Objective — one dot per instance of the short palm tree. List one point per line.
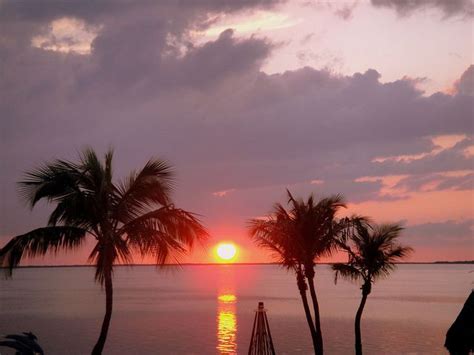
(299, 237)
(373, 252)
(135, 216)
(24, 344)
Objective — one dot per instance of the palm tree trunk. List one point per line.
(99, 346)
(358, 336)
(309, 319)
(302, 288)
(314, 298)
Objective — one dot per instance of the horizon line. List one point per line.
(239, 264)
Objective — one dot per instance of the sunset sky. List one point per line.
(369, 98)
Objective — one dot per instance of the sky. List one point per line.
(372, 99)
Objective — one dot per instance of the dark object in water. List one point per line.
(261, 342)
(23, 344)
(460, 336)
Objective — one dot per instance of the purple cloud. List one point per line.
(448, 7)
(465, 85)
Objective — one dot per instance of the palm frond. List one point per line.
(332, 203)
(159, 244)
(373, 249)
(25, 343)
(387, 233)
(399, 252)
(347, 271)
(108, 159)
(164, 232)
(275, 236)
(39, 242)
(103, 258)
(51, 181)
(78, 190)
(148, 188)
(76, 209)
(107, 253)
(301, 233)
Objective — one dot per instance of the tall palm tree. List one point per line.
(298, 237)
(372, 252)
(135, 216)
(275, 234)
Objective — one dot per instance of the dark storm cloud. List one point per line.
(448, 7)
(92, 10)
(147, 90)
(20, 19)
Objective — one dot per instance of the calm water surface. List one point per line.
(210, 309)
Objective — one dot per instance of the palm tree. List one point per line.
(272, 234)
(373, 252)
(24, 344)
(299, 237)
(135, 216)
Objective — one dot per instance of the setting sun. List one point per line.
(226, 251)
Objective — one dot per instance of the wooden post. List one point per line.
(261, 342)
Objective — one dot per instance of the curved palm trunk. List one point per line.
(302, 288)
(319, 335)
(358, 336)
(99, 346)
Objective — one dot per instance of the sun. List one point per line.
(226, 251)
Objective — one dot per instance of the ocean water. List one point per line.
(209, 309)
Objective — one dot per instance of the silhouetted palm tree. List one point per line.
(272, 234)
(299, 237)
(24, 344)
(373, 252)
(133, 216)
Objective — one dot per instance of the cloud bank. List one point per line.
(448, 7)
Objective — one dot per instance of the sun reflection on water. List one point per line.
(226, 324)
(227, 298)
